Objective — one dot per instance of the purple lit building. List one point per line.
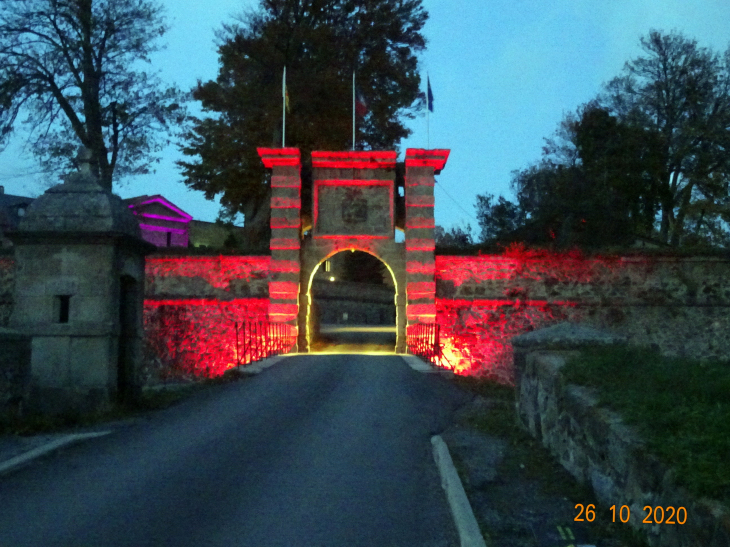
(162, 223)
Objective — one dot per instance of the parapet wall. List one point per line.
(600, 450)
(680, 305)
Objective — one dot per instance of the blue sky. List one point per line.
(503, 73)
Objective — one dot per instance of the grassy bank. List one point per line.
(680, 407)
(527, 460)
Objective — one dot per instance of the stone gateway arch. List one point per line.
(355, 203)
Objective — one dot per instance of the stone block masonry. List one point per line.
(286, 204)
(598, 449)
(679, 305)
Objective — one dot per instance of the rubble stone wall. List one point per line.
(600, 450)
(679, 305)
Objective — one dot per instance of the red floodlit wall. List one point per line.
(681, 306)
(217, 271)
(194, 307)
(197, 336)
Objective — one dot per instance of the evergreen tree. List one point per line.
(320, 42)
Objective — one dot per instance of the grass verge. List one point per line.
(680, 407)
(528, 459)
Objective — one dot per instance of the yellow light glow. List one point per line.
(308, 327)
(332, 278)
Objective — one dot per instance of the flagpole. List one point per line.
(353, 110)
(428, 109)
(283, 109)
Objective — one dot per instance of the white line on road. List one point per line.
(12, 463)
(466, 522)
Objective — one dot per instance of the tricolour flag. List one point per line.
(361, 106)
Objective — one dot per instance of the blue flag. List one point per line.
(429, 96)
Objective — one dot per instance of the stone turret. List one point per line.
(79, 292)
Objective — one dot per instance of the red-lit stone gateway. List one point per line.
(193, 304)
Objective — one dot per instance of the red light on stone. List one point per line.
(420, 222)
(280, 243)
(286, 181)
(418, 157)
(420, 244)
(276, 157)
(415, 267)
(356, 159)
(284, 290)
(289, 266)
(197, 336)
(286, 203)
(419, 201)
(354, 182)
(218, 271)
(282, 222)
(347, 237)
(425, 313)
(420, 289)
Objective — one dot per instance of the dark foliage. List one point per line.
(320, 43)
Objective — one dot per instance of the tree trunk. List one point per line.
(679, 224)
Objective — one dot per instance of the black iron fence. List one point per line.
(256, 340)
(190, 342)
(423, 341)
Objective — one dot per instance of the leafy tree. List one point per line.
(320, 42)
(455, 237)
(680, 92)
(497, 218)
(593, 187)
(656, 144)
(73, 67)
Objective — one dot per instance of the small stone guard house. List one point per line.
(79, 293)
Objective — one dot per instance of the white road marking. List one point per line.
(24, 458)
(466, 522)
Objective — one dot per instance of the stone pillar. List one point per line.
(286, 204)
(421, 166)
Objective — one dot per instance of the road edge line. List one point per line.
(25, 457)
(464, 519)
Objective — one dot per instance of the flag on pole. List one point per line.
(429, 95)
(361, 105)
(284, 108)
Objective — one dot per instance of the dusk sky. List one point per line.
(503, 73)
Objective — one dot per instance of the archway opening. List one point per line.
(352, 305)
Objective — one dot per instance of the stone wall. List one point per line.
(14, 370)
(7, 283)
(598, 449)
(680, 305)
(364, 304)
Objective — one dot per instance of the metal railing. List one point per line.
(423, 340)
(256, 340)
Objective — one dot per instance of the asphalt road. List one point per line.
(316, 451)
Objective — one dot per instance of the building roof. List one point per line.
(138, 202)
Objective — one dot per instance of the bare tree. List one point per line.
(681, 92)
(75, 68)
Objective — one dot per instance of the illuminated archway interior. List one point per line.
(352, 306)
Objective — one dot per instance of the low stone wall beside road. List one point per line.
(598, 449)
